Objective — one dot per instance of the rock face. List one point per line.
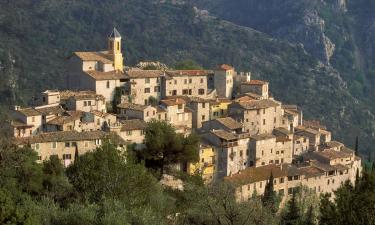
(152, 66)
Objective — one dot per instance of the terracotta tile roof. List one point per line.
(260, 137)
(258, 104)
(80, 95)
(331, 144)
(138, 73)
(76, 114)
(135, 124)
(333, 154)
(18, 123)
(257, 174)
(224, 67)
(230, 123)
(132, 106)
(315, 124)
(172, 102)
(50, 110)
(103, 56)
(61, 136)
(218, 101)
(311, 171)
(29, 112)
(60, 120)
(323, 166)
(255, 82)
(222, 134)
(101, 114)
(111, 75)
(283, 139)
(281, 131)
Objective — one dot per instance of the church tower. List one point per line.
(114, 49)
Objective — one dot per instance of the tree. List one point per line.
(187, 65)
(309, 217)
(292, 215)
(269, 197)
(163, 146)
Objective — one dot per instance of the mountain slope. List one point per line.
(36, 40)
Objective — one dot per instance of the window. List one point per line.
(146, 102)
(67, 156)
(174, 92)
(203, 117)
(175, 81)
(296, 177)
(33, 119)
(108, 84)
(277, 152)
(201, 91)
(118, 46)
(190, 92)
(185, 81)
(98, 122)
(264, 121)
(185, 91)
(258, 112)
(129, 132)
(179, 106)
(271, 162)
(277, 161)
(147, 80)
(157, 89)
(274, 120)
(203, 105)
(328, 182)
(262, 153)
(147, 113)
(67, 144)
(147, 90)
(53, 145)
(290, 178)
(202, 160)
(281, 180)
(201, 80)
(260, 184)
(264, 111)
(74, 144)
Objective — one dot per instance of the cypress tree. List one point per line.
(76, 155)
(269, 198)
(309, 218)
(292, 215)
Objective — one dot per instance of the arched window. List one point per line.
(118, 45)
(108, 85)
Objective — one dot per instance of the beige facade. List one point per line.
(177, 112)
(227, 123)
(231, 149)
(135, 111)
(200, 111)
(86, 102)
(142, 86)
(25, 122)
(255, 86)
(185, 82)
(132, 131)
(223, 80)
(258, 116)
(63, 144)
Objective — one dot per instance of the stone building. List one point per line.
(223, 81)
(258, 116)
(63, 144)
(200, 111)
(206, 164)
(101, 71)
(135, 111)
(228, 124)
(131, 131)
(85, 101)
(257, 87)
(25, 122)
(186, 83)
(177, 113)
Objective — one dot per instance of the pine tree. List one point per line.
(292, 215)
(356, 146)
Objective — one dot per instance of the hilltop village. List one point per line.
(246, 134)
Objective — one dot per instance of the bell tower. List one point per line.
(114, 49)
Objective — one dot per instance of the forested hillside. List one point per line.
(38, 35)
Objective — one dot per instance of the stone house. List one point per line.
(200, 111)
(231, 150)
(25, 122)
(258, 116)
(185, 82)
(257, 87)
(135, 111)
(177, 112)
(85, 101)
(223, 81)
(142, 86)
(101, 71)
(132, 131)
(228, 124)
(63, 144)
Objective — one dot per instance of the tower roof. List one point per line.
(115, 33)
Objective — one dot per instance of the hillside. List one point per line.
(36, 40)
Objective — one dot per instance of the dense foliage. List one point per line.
(37, 36)
(107, 186)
